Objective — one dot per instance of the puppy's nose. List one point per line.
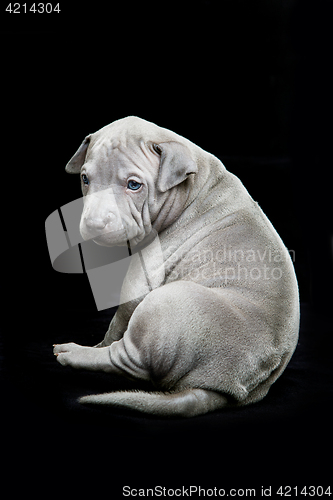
(96, 223)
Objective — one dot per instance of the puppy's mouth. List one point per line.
(113, 238)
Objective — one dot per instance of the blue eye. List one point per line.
(133, 185)
(85, 179)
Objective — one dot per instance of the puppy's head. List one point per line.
(128, 170)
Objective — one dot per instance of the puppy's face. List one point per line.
(118, 186)
(128, 170)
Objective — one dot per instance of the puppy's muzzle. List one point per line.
(101, 217)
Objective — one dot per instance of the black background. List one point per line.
(248, 81)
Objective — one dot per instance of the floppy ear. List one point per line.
(176, 164)
(75, 163)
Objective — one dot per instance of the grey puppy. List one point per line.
(209, 308)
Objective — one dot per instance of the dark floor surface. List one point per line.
(286, 439)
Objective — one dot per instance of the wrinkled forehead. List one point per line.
(110, 158)
(130, 132)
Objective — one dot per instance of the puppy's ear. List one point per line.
(176, 164)
(75, 163)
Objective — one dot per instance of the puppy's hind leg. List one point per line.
(187, 403)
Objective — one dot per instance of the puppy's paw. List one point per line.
(67, 353)
(78, 356)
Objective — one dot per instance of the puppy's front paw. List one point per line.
(78, 356)
(67, 353)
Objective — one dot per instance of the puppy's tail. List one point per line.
(188, 403)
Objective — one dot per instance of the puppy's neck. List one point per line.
(197, 189)
(173, 206)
